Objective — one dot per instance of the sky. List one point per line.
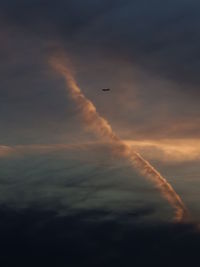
(55, 175)
(146, 51)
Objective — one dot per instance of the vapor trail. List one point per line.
(102, 128)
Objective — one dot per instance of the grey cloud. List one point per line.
(161, 37)
(65, 179)
(129, 46)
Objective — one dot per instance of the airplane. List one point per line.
(106, 89)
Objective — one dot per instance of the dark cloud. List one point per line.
(63, 177)
(91, 239)
(161, 37)
(63, 17)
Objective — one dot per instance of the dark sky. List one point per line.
(43, 239)
(146, 51)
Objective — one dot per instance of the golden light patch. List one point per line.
(168, 150)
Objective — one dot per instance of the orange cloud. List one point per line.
(102, 128)
(168, 150)
(6, 151)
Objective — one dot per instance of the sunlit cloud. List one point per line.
(103, 129)
(5, 151)
(168, 150)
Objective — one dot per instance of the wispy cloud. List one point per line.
(103, 129)
(168, 150)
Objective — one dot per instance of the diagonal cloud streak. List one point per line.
(102, 128)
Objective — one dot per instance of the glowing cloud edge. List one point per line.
(100, 126)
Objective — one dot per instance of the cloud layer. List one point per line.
(146, 51)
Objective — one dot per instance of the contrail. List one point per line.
(102, 128)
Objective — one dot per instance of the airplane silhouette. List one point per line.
(106, 89)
